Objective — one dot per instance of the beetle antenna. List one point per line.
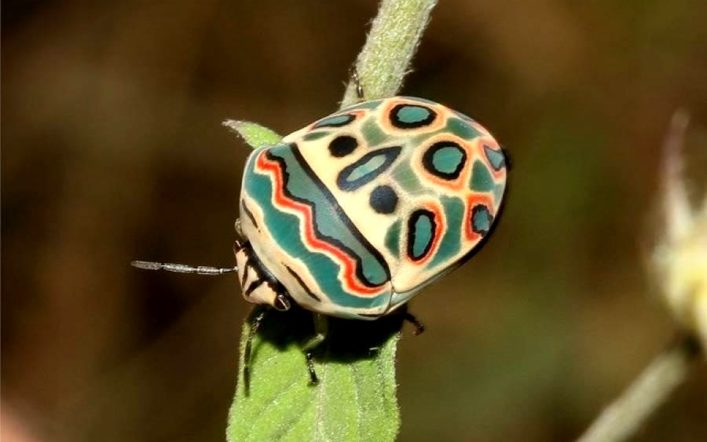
(183, 268)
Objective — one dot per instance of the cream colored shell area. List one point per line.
(407, 276)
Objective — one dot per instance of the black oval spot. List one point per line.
(421, 233)
(342, 146)
(411, 116)
(384, 199)
(445, 159)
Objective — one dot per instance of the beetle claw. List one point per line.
(419, 326)
(313, 379)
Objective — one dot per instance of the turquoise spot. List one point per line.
(423, 235)
(421, 231)
(447, 159)
(481, 179)
(335, 121)
(366, 168)
(495, 157)
(412, 114)
(481, 219)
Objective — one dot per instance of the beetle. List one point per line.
(354, 214)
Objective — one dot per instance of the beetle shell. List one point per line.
(356, 212)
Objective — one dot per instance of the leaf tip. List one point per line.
(252, 133)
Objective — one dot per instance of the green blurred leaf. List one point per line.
(254, 134)
(354, 400)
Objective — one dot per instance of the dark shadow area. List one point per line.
(347, 339)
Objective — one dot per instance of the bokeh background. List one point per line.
(112, 149)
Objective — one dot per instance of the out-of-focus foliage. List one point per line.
(113, 150)
(680, 259)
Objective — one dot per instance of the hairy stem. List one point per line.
(621, 419)
(385, 58)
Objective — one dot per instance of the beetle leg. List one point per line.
(357, 83)
(238, 229)
(419, 327)
(255, 322)
(321, 327)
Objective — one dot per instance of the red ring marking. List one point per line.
(472, 201)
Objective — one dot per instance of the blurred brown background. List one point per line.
(113, 150)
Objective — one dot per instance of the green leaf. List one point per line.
(254, 134)
(354, 400)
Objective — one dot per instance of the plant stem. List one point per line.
(385, 58)
(621, 419)
(355, 398)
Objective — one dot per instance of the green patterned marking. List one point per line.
(462, 129)
(370, 105)
(498, 192)
(408, 179)
(463, 116)
(373, 133)
(481, 179)
(315, 135)
(285, 230)
(451, 241)
(392, 239)
(301, 186)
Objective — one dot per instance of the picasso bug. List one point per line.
(354, 214)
